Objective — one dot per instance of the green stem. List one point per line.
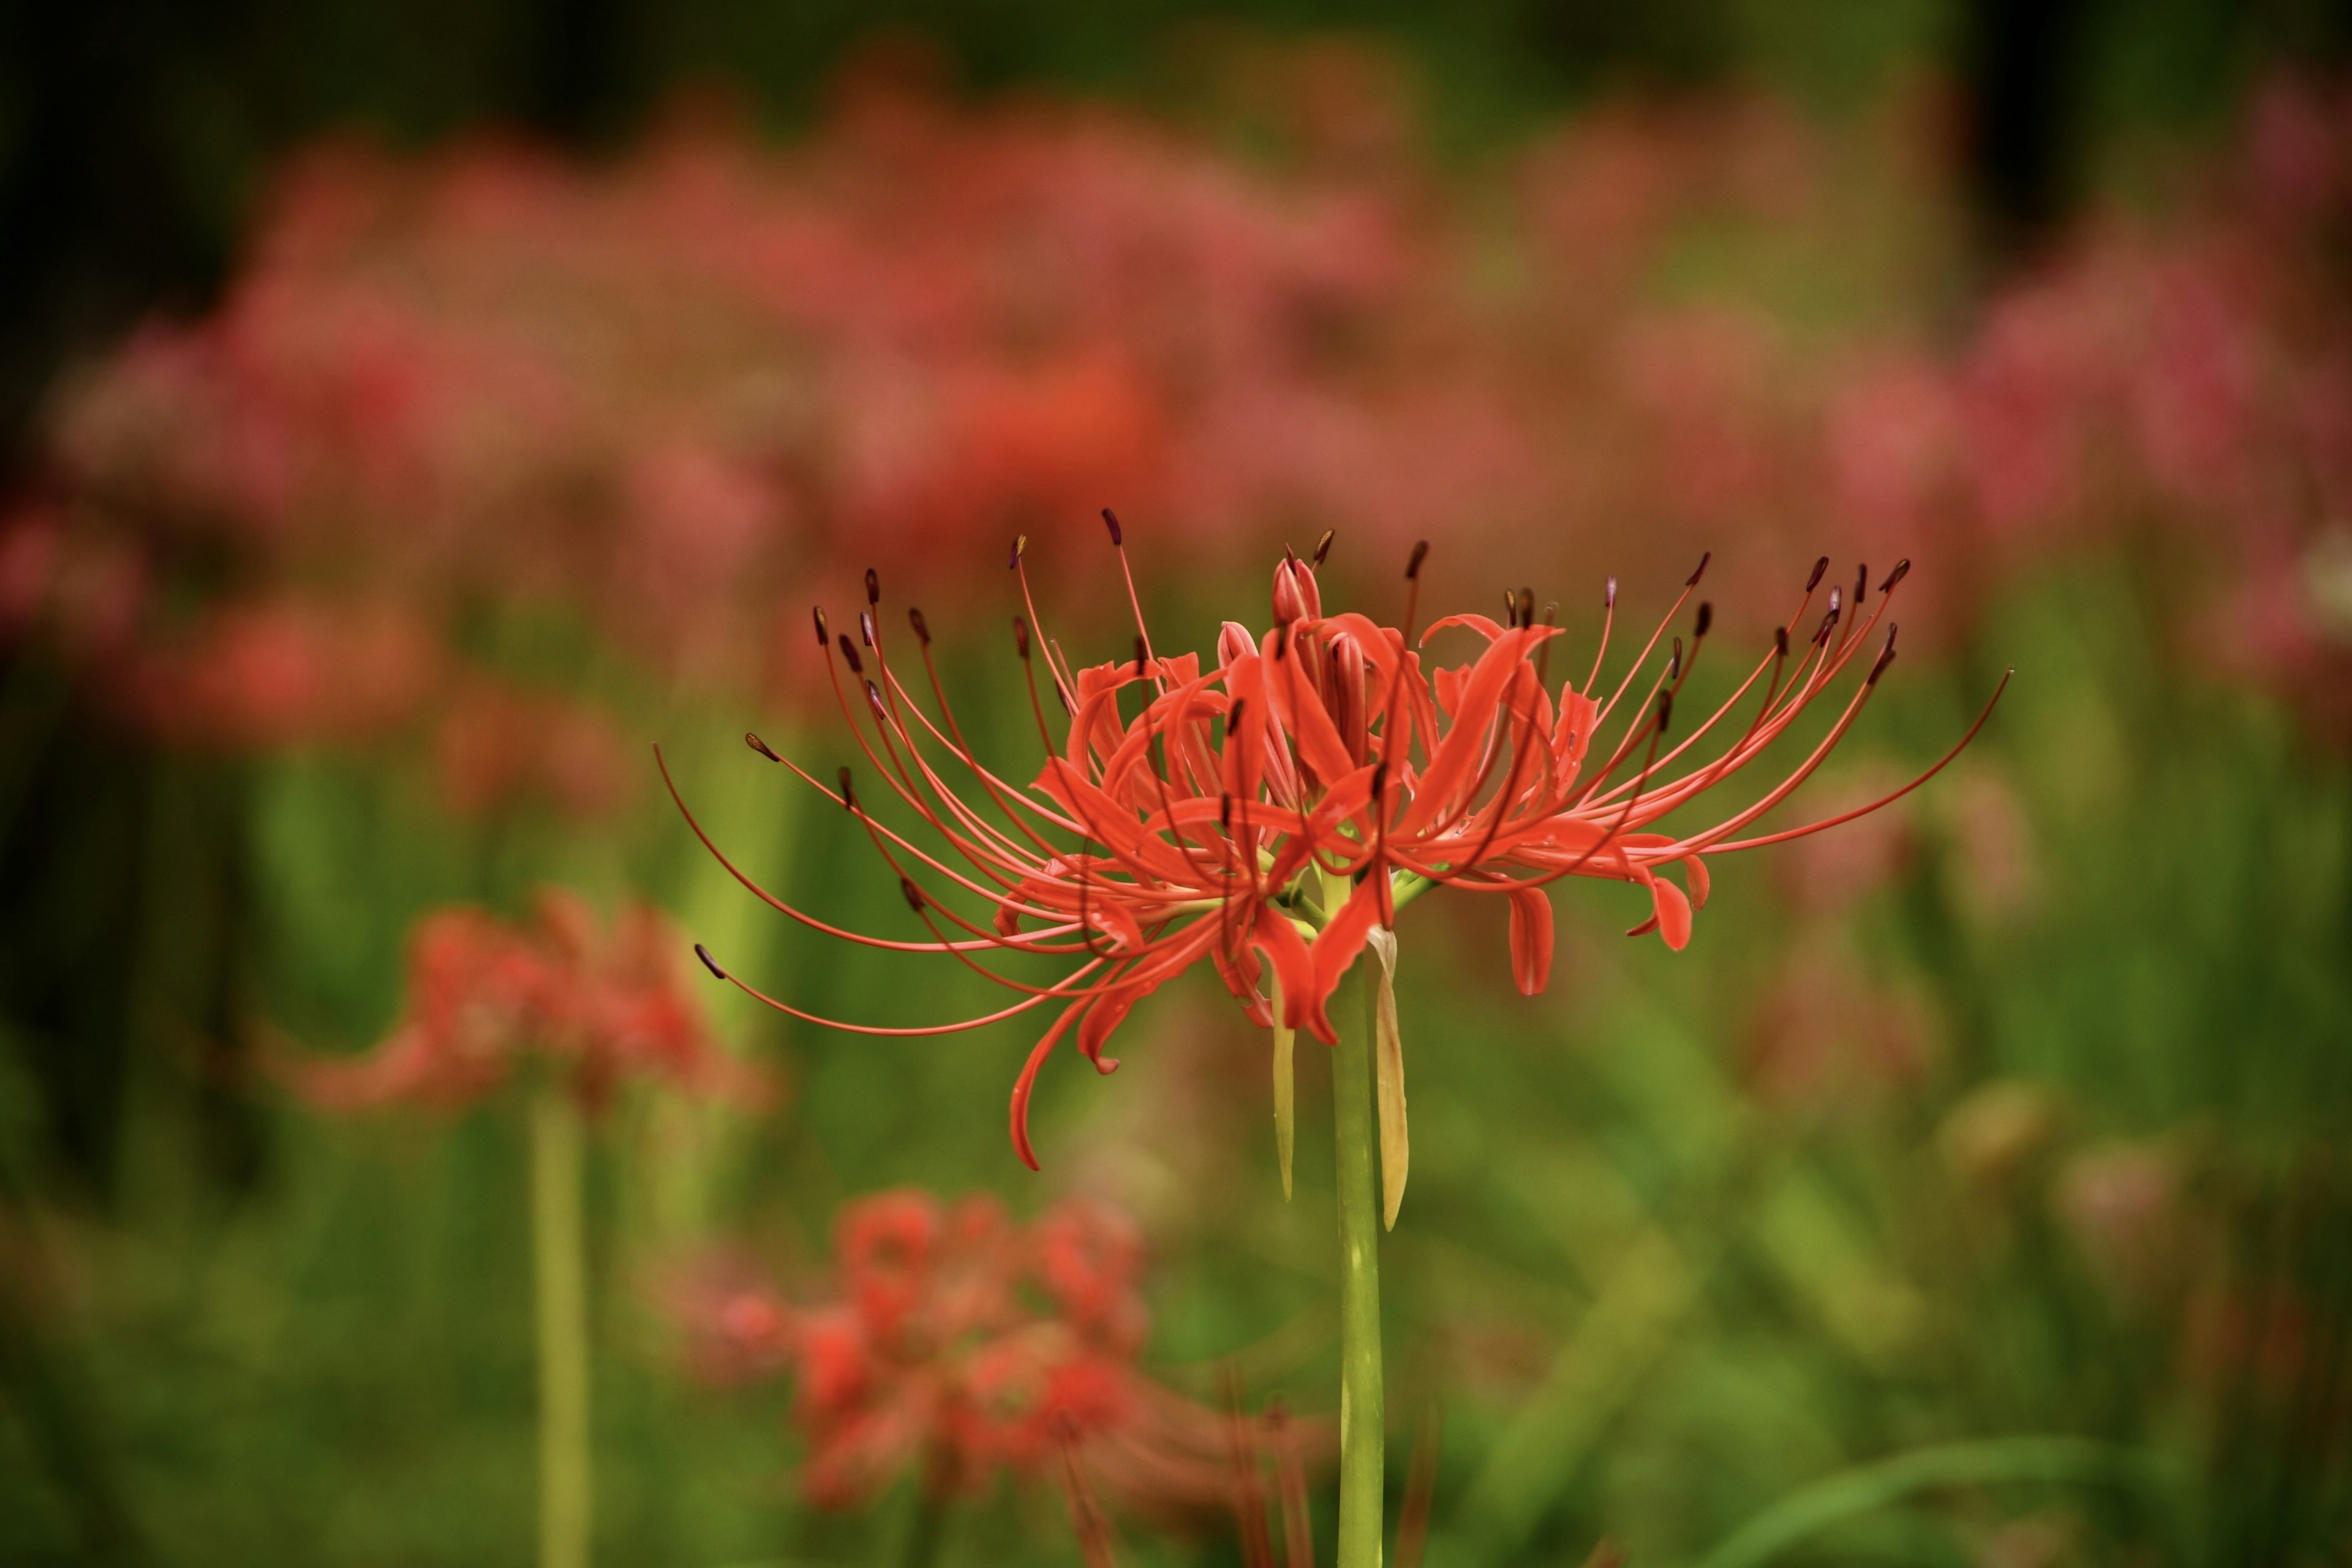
(927, 1528)
(1362, 1430)
(558, 1261)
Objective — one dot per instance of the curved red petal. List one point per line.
(1335, 948)
(1028, 1082)
(1294, 965)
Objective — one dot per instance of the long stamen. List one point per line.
(694, 826)
(1062, 681)
(1118, 543)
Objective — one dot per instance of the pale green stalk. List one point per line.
(559, 1266)
(1362, 1429)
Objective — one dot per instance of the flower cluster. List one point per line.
(1269, 816)
(484, 997)
(968, 1346)
(660, 391)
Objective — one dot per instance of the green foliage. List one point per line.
(1855, 1308)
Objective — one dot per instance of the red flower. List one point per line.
(961, 1342)
(595, 1006)
(1273, 812)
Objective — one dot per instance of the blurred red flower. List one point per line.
(486, 999)
(1273, 812)
(961, 1345)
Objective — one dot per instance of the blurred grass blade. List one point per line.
(1867, 1488)
(1628, 1331)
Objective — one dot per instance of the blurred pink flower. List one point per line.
(595, 1007)
(287, 672)
(2122, 1205)
(1826, 1037)
(495, 745)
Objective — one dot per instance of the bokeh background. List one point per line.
(409, 414)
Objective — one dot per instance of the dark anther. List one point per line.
(866, 628)
(848, 795)
(1828, 623)
(1380, 784)
(1420, 554)
(1861, 584)
(849, 653)
(1780, 641)
(1675, 661)
(873, 587)
(1139, 658)
(1666, 711)
(1836, 604)
(1814, 581)
(1527, 606)
(1902, 569)
(760, 746)
(1281, 639)
(1608, 595)
(1510, 608)
(1110, 521)
(1233, 720)
(914, 894)
(816, 612)
(873, 700)
(1323, 545)
(922, 627)
(1706, 619)
(1700, 570)
(1886, 657)
(1021, 636)
(1063, 698)
(1226, 811)
(708, 963)
(1020, 544)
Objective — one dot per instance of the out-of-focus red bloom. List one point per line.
(960, 1343)
(484, 997)
(1827, 1036)
(275, 674)
(1273, 812)
(495, 744)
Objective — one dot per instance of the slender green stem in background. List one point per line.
(560, 1265)
(1363, 1431)
(925, 1531)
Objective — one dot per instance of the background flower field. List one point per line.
(1973, 1190)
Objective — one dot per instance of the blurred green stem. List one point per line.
(1361, 1428)
(559, 1259)
(928, 1528)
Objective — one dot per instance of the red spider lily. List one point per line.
(969, 1346)
(483, 995)
(1273, 813)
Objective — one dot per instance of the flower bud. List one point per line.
(1294, 596)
